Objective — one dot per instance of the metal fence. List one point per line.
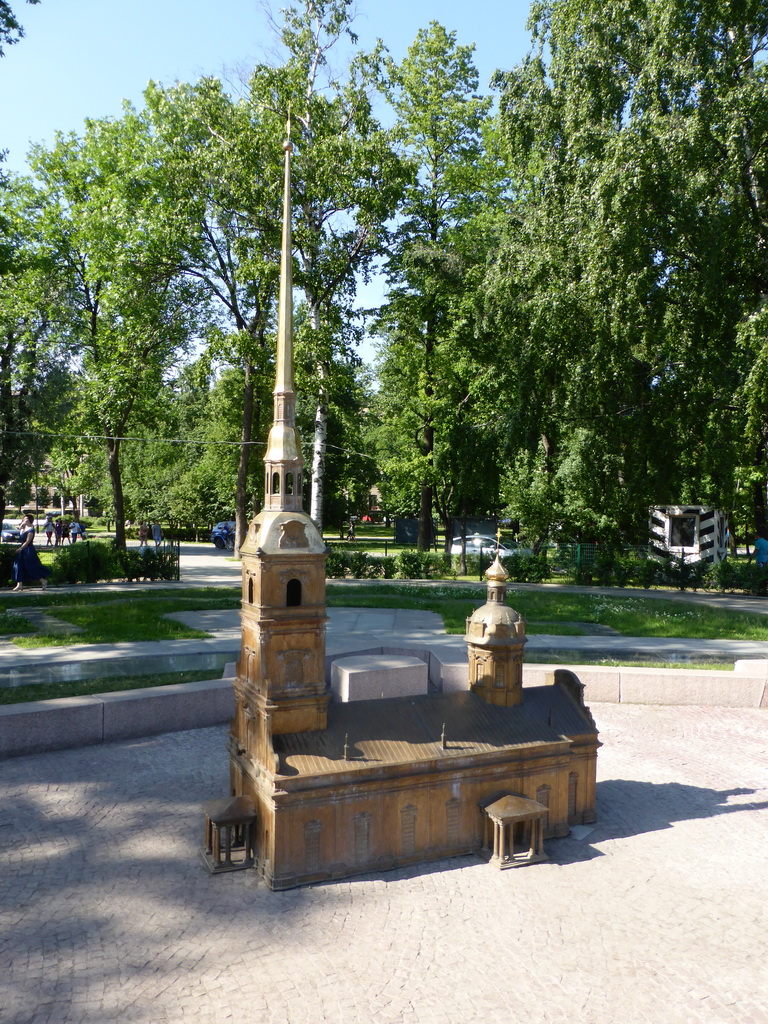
(169, 553)
(580, 557)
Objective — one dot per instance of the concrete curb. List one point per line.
(637, 685)
(79, 721)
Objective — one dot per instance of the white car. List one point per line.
(10, 532)
(477, 544)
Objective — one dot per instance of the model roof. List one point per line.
(403, 730)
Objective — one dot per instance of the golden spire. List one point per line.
(283, 461)
(284, 381)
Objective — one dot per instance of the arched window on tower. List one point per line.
(289, 483)
(293, 594)
(250, 590)
(275, 483)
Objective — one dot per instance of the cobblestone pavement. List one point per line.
(657, 916)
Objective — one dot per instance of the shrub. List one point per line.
(746, 576)
(646, 572)
(423, 565)
(336, 564)
(91, 561)
(526, 568)
(346, 561)
(84, 562)
(7, 555)
(363, 566)
(388, 567)
(677, 572)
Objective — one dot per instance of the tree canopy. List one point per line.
(574, 327)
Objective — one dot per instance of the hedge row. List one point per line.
(93, 561)
(346, 563)
(613, 569)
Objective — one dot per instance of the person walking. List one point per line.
(48, 530)
(57, 531)
(143, 534)
(27, 567)
(157, 533)
(761, 550)
(74, 530)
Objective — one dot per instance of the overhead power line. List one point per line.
(163, 440)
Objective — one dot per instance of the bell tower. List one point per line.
(280, 680)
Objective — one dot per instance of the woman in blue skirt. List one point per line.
(27, 567)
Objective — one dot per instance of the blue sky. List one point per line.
(81, 58)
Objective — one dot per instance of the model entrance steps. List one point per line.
(372, 676)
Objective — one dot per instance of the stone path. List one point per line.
(44, 622)
(655, 916)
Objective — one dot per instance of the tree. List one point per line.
(346, 184)
(632, 282)
(113, 220)
(430, 319)
(223, 164)
(10, 29)
(31, 372)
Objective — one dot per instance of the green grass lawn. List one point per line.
(108, 617)
(630, 616)
(114, 617)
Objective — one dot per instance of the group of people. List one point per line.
(144, 531)
(27, 567)
(58, 531)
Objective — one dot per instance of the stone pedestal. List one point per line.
(369, 677)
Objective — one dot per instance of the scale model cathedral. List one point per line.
(341, 788)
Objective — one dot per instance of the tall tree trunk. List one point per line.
(759, 487)
(241, 518)
(427, 446)
(320, 439)
(318, 459)
(424, 542)
(116, 479)
(463, 555)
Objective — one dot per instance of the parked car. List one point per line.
(223, 534)
(477, 544)
(10, 533)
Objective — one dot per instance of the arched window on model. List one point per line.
(289, 483)
(275, 483)
(250, 590)
(293, 594)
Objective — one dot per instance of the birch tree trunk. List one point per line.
(320, 437)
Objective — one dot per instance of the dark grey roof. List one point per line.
(405, 730)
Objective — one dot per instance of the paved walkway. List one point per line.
(349, 630)
(657, 915)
